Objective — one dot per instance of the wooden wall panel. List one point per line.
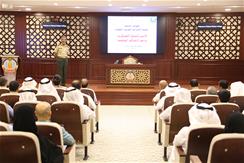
(209, 70)
(94, 68)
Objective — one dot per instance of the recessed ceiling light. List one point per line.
(145, 0)
(198, 4)
(227, 9)
(205, 0)
(23, 6)
(55, 4)
(110, 4)
(27, 9)
(144, 4)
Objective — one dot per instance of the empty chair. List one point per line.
(4, 126)
(198, 142)
(19, 147)
(53, 132)
(10, 99)
(224, 148)
(4, 114)
(196, 92)
(47, 98)
(69, 115)
(179, 119)
(206, 99)
(239, 100)
(169, 100)
(224, 110)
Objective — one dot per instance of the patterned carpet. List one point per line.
(126, 135)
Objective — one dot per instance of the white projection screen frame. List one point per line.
(132, 34)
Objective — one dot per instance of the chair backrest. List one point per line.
(4, 126)
(10, 99)
(179, 119)
(239, 100)
(68, 115)
(4, 90)
(4, 114)
(168, 101)
(206, 99)
(19, 147)
(31, 104)
(88, 92)
(33, 90)
(199, 140)
(224, 110)
(60, 92)
(226, 148)
(162, 93)
(86, 101)
(51, 131)
(196, 92)
(47, 98)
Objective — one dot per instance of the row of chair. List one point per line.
(210, 145)
(69, 115)
(179, 119)
(11, 99)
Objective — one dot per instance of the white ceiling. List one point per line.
(123, 5)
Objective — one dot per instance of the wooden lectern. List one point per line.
(10, 66)
(130, 73)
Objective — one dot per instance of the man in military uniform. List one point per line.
(61, 53)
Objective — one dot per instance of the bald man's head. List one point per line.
(76, 84)
(162, 84)
(43, 111)
(84, 82)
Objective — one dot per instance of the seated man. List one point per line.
(46, 88)
(43, 113)
(28, 83)
(169, 91)
(199, 115)
(211, 90)
(162, 85)
(223, 84)
(74, 95)
(181, 96)
(3, 82)
(77, 84)
(13, 88)
(224, 95)
(235, 123)
(237, 89)
(84, 85)
(27, 96)
(194, 84)
(57, 82)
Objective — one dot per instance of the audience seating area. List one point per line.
(204, 143)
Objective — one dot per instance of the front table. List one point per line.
(130, 74)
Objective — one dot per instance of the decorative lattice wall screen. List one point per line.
(7, 34)
(41, 42)
(191, 43)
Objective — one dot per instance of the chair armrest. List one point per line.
(181, 151)
(86, 132)
(85, 122)
(195, 159)
(181, 154)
